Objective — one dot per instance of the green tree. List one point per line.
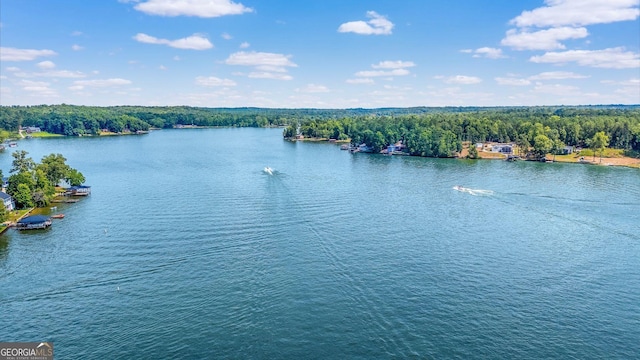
(54, 167)
(541, 146)
(4, 214)
(4, 135)
(558, 145)
(43, 191)
(22, 163)
(75, 177)
(598, 142)
(23, 197)
(473, 151)
(289, 132)
(16, 180)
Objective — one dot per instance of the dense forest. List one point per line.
(540, 130)
(74, 120)
(425, 131)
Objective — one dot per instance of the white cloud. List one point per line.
(193, 42)
(578, 13)
(377, 73)
(462, 79)
(393, 64)
(76, 47)
(366, 81)
(46, 64)
(271, 68)
(387, 68)
(39, 88)
(81, 84)
(511, 81)
(313, 88)
(631, 82)
(269, 75)
(556, 89)
(199, 8)
(214, 81)
(33, 84)
(557, 75)
(267, 65)
(377, 25)
(244, 45)
(549, 75)
(13, 54)
(544, 39)
(491, 53)
(62, 74)
(612, 58)
(226, 36)
(254, 58)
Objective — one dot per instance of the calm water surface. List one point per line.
(335, 255)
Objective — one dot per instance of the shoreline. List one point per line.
(11, 223)
(623, 161)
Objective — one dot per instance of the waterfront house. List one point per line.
(389, 150)
(81, 190)
(567, 150)
(34, 222)
(364, 148)
(502, 148)
(9, 204)
(32, 129)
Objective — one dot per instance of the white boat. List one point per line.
(268, 170)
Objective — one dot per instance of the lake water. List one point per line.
(334, 256)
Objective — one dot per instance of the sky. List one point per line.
(319, 53)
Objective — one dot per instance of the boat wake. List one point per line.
(474, 192)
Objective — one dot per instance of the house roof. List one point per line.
(4, 195)
(35, 219)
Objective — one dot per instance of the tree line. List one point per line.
(540, 130)
(426, 131)
(74, 120)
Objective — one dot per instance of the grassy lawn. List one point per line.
(14, 216)
(43, 134)
(608, 153)
(17, 214)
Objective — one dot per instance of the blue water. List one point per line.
(334, 256)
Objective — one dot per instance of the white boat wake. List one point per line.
(474, 192)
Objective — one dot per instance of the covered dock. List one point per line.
(34, 222)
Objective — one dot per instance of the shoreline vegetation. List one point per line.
(32, 185)
(590, 134)
(611, 157)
